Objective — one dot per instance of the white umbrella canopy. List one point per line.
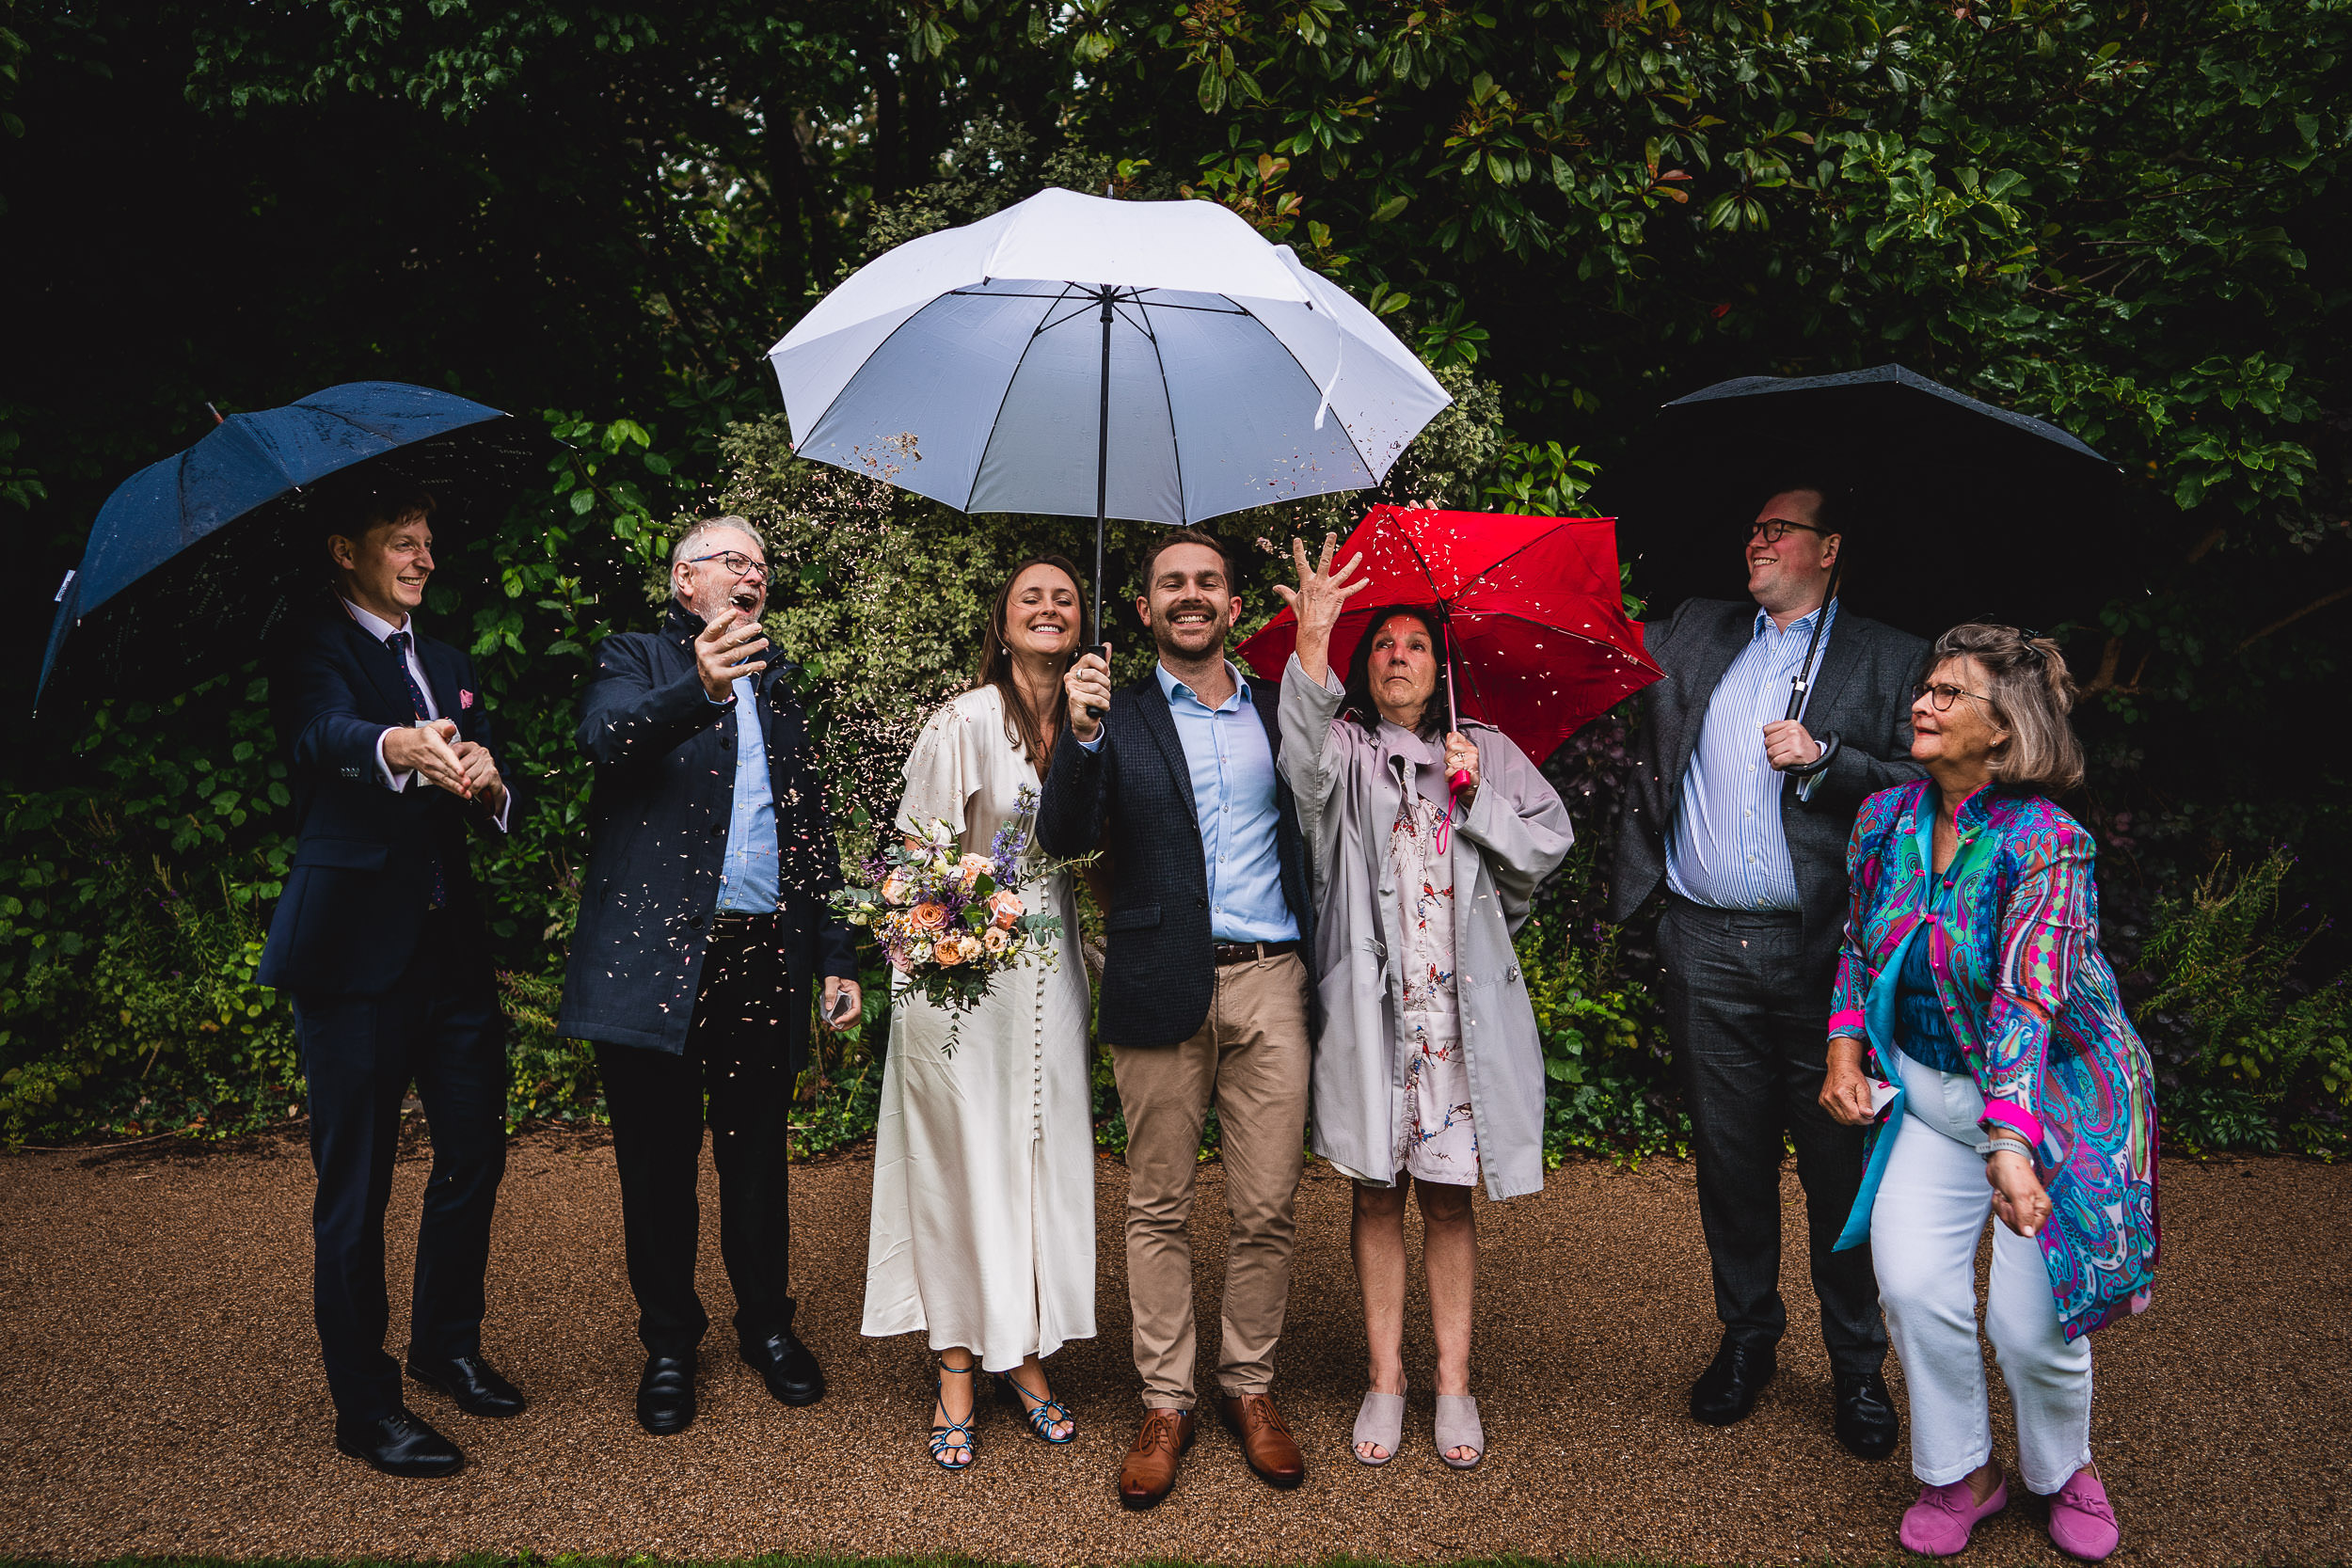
(1072, 355)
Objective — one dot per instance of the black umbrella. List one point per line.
(1951, 509)
(196, 561)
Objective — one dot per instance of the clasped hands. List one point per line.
(2019, 1198)
(434, 752)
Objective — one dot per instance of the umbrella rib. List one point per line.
(1175, 442)
(1503, 560)
(1353, 450)
(1002, 398)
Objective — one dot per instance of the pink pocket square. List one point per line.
(464, 698)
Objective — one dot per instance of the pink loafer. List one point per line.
(2082, 1522)
(1938, 1524)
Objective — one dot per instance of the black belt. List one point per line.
(1251, 952)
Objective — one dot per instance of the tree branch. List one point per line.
(2285, 621)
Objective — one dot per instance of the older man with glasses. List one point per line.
(1741, 813)
(701, 925)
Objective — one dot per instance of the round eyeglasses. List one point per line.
(1941, 695)
(736, 564)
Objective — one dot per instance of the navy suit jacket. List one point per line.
(1135, 793)
(356, 897)
(664, 759)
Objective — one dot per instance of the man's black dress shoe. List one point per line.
(399, 1444)
(1728, 1390)
(1866, 1415)
(665, 1394)
(786, 1365)
(473, 1383)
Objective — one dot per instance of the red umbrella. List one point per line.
(1536, 621)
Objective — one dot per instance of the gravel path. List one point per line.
(159, 1391)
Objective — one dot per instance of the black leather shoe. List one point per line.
(473, 1383)
(786, 1365)
(1728, 1390)
(399, 1444)
(665, 1394)
(1866, 1414)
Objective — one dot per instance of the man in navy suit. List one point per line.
(379, 939)
(1206, 996)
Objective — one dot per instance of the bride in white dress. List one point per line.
(983, 1218)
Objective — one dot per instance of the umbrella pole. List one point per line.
(1801, 687)
(1101, 472)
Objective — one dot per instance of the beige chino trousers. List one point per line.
(1251, 1059)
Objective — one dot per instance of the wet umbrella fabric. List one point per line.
(1531, 607)
(1075, 355)
(193, 562)
(1956, 509)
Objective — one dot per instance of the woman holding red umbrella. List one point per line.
(1426, 845)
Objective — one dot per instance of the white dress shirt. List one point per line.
(382, 630)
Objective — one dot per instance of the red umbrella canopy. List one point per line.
(1537, 625)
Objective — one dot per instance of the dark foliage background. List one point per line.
(2129, 218)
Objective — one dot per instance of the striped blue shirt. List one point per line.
(1727, 849)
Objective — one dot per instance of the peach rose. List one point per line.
(971, 869)
(927, 916)
(948, 951)
(994, 940)
(894, 888)
(1007, 906)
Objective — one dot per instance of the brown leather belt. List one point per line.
(1251, 952)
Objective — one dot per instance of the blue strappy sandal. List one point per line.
(1043, 1415)
(954, 1434)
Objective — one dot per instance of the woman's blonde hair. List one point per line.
(2032, 695)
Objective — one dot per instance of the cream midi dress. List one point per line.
(982, 1233)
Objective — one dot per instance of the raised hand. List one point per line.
(1319, 600)
(1088, 686)
(730, 646)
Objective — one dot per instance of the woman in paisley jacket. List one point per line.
(2004, 1079)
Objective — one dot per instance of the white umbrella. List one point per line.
(997, 367)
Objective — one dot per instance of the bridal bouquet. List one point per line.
(952, 921)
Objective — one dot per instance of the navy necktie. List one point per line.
(398, 642)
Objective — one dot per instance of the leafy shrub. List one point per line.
(1609, 1090)
(2248, 1046)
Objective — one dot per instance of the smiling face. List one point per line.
(1789, 574)
(1188, 604)
(706, 587)
(1042, 614)
(385, 569)
(1403, 670)
(1957, 743)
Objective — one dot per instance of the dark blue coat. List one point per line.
(1133, 796)
(664, 758)
(354, 900)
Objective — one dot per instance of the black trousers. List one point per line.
(1749, 1020)
(360, 1054)
(738, 1058)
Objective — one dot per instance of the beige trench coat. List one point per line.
(1515, 832)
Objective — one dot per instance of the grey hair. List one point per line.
(701, 532)
(2032, 695)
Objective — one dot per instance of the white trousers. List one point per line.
(1932, 1205)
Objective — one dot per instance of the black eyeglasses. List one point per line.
(735, 562)
(1773, 529)
(1943, 692)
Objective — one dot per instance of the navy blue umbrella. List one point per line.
(168, 587)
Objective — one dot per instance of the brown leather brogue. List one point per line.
(1149, 1469)
(1266, 1439)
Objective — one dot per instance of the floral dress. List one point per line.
(1437, 1138)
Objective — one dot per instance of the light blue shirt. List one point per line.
(1727, 849)
(749, 879)
(1231, 763)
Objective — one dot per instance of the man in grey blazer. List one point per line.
(1742, 815)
